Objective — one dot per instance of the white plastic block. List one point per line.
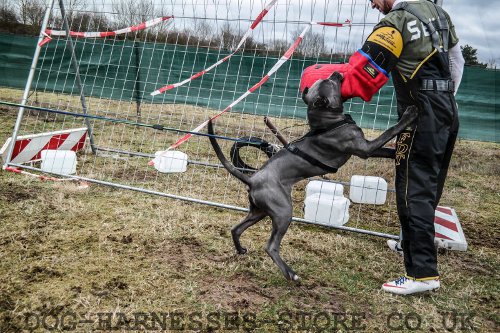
(324, 187)
(368, 190)
(59, 161)
(170, 161)
(327, 209)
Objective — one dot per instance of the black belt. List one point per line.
(437, 85)
(294, 150)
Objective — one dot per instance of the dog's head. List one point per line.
(324, 94)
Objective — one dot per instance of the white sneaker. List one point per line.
(407, 286)
(395, 246)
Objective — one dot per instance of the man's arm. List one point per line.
(367, 70)
(456, 65)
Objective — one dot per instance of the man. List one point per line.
(416, 42)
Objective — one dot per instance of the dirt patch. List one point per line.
(40, 273)
(468, 263)
(181, 252)
(482, 237)
(111, 286)
(12, 192)
(123, 239)
(238, 292)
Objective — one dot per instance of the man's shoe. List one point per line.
(406, 286)
(395, 246)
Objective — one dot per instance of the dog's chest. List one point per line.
(321, 118)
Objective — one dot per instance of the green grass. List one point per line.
(102, 250)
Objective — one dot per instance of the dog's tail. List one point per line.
(218, 151)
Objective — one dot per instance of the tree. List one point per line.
(492, 63)
(470, 56)
(132, 12)
(7, 12)
(313, 44)
(31, 12)
(229, 36)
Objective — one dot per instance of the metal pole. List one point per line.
(29, 82)
(137, 85)
(69, 42)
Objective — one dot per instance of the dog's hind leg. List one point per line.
(280, 226)
(254, 216)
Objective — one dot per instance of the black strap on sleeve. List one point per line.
(439, 27)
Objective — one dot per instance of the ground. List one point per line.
(102, 259)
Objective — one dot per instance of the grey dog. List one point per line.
(334, 137)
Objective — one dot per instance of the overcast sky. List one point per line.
(477, 23)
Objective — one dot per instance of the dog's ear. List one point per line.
(304, 96)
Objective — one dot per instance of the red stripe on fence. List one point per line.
(290, 51)
(107, 33)
(445, 223)
(138, 27)
(259, 18)
(55, 142)
(198, 75)
(19, 147)
(444, 210)
(77, 34)
(261, 82)
(438, 235)
(80, 144)
(170, 86)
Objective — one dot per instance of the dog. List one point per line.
(333, 139)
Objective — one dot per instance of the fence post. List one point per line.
(78, 80)
(29, 82)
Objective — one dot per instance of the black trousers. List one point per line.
(423, 154)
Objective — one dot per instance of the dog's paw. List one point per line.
(242, 251)
(411, 113)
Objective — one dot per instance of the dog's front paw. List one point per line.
(411, 113)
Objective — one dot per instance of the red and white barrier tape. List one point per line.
(273, 70)
(226, 58)
(83, 184)
(61, 33)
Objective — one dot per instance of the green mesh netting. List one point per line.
(125, 70)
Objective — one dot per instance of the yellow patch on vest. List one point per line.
(388, 38)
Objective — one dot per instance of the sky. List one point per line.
(477, 23)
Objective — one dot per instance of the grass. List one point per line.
(64, 250)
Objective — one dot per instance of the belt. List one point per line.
(437, 85)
